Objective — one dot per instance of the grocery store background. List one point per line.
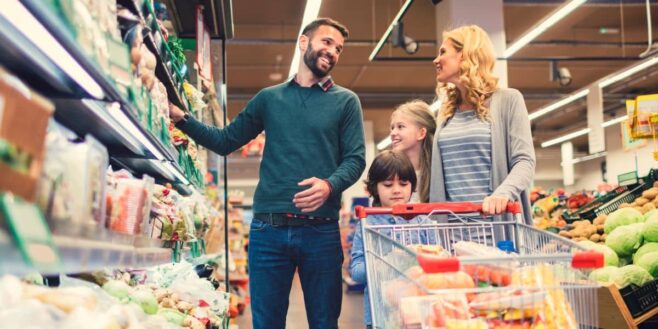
(579, 64)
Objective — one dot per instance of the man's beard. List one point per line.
(311, 58)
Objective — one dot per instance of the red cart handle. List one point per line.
(414, 209)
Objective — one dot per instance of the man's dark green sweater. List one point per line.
(310, 132)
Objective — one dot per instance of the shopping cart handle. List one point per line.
(440, 208)
(438, 264)
(587, 260)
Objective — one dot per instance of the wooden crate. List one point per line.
(613, 312)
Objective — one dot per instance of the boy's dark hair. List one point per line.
(386, 166)
(314, 25)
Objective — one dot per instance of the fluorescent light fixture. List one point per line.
(566, 137)
(104, 115)
(381, 42)
(176, 173)
(127, 124)
(538, 29)
(384, 143)
(614, 121)
(618, 76)
(164, 168)
(310, 13)
(24, 21)
(585, 158)
(581, 132)
(562, 102)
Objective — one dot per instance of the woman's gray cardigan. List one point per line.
(512, 152)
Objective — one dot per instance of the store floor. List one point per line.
(351, 315)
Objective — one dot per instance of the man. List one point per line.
(314, 150)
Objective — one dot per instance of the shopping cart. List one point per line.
(455, 275)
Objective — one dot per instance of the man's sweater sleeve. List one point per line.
(352, 147)
(246, 126)
(358, 262)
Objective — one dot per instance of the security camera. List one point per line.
(399, 39)
(561, 74)
(564, 76)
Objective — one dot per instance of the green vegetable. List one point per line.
(649, 214)
(116, 288)
(631, 274)
(604, 274)
(646, 248)
(649, 262)
(611, 258)
(625, 240)
(621, 217)
(172, 316)
(145, 300)
(623, 261)
(650, 230)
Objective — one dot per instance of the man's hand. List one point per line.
(314, 197)
(494, 205)
(175, 113)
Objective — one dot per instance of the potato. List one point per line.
(600, 228)
(650, 193)
(625, 205)
(600, 219)
(595, 238)
(648, 207)
(655, 184)
(603, 236)
(641, 201)
(655, 202)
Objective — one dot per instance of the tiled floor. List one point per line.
(351, 315)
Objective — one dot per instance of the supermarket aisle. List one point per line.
(351, 315)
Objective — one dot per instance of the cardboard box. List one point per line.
(23, 121)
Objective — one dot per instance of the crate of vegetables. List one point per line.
(587, 211)
(642, 197)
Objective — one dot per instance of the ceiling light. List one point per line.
(380, 44)
(538, 29)
(310, 13)
(618, 76)
(566, 137)
(386, 142)
(126, 123)
(24, 21)
(562, 102)
(614, 121)
(581, 132)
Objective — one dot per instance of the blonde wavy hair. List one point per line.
(419, 113)
(476, 72)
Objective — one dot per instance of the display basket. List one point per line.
(451, 275)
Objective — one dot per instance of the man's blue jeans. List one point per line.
(274, 254)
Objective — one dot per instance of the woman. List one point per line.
(483, 150)
(412, 133)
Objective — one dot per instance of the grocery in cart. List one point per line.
(475, 273)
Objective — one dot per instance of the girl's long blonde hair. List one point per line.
(420, 114)
(476, 72)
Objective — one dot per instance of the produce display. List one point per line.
(168, 296)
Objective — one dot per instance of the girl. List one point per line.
(483, 150)
(391, 179)
(412, 132)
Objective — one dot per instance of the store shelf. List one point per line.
(83, 105)
(163, 74)
(218, 17)
(85, 255)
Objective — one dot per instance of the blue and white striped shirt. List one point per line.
(465, 146)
